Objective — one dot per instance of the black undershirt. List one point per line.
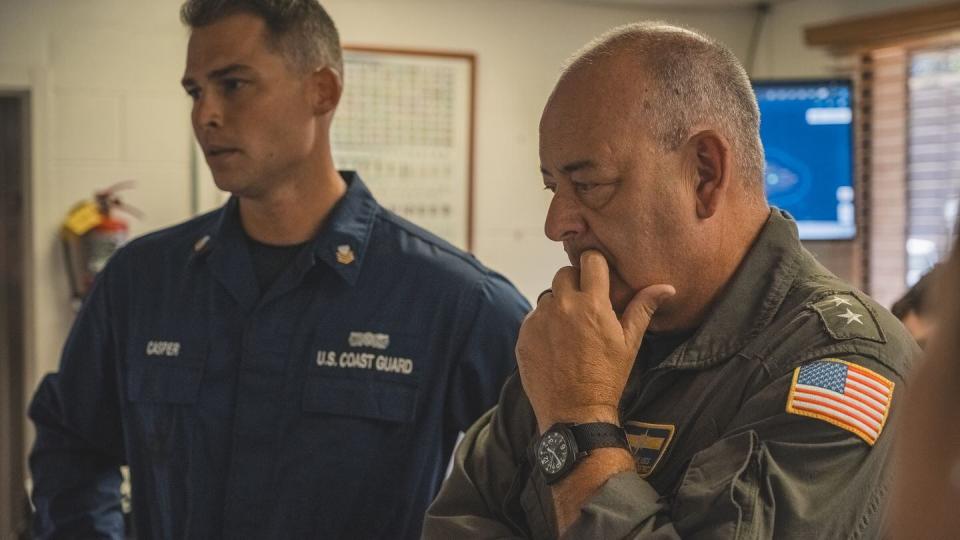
(270, 261)
(655, 348)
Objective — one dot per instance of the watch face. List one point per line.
(553, 452)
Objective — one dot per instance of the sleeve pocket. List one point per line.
(722, 494)
(164, 380)
(371, 399)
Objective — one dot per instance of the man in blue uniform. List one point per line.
(297, 364)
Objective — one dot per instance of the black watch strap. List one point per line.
(599, 435)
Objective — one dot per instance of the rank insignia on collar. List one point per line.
(846, 317)
(648, 443)
(345, 254)
(201, 244)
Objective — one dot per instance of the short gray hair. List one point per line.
(696, 79)
(300, 30)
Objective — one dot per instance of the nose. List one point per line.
(564, 221)
(207, 112)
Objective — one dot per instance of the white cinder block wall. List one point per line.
(107, 106)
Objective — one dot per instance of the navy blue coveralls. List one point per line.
(324, 407)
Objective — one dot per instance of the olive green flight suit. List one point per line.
(718, 453)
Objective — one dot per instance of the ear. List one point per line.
(710, 155)
(326, 89)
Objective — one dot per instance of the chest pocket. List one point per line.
(164, 380)
(373, 399)
(163, 391)
(372, 375)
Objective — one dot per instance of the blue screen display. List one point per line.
(807, 135)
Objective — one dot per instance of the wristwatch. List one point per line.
(563, 445)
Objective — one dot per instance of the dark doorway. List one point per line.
(14, 131)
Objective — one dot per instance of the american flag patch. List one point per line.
(846, 395)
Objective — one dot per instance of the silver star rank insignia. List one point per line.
(846, 316)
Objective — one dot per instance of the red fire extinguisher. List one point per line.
(92, 232)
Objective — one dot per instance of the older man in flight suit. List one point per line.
(695, 373)
(297, 364)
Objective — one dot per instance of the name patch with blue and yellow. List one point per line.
(649, 443)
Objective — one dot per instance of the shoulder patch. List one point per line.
(846, 395)
(846, 317)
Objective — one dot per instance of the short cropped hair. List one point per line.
(300, 30)
(918, 298)
(696, 79)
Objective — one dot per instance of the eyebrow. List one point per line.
(572, 167)
(216, 74)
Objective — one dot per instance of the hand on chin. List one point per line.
(620, 293)
(574, 354)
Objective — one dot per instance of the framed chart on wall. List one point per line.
(405, 124)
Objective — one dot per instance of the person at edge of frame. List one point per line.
(695, 372)
(915, 307)
(927, 476)
(296, 364)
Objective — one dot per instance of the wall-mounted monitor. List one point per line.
(807, 132)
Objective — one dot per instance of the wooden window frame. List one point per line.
(880, 47)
